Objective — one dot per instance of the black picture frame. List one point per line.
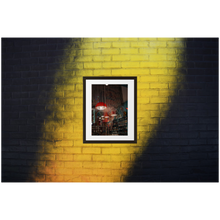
(131, 136)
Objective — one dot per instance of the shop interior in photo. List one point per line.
(109, 109)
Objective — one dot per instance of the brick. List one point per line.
(111, 65)
(158, 44)
(106, 158)
(129, 51)
(111, 151)
(120, 44)
(94, 65)
(82, 157)
(102, 45)
(63, 171)
(110, 51)
(92, 164)
(91, 150)
(73, 164)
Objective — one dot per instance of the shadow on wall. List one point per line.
(187, 138)
(28, 67)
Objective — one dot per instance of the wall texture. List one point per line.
(42, 105)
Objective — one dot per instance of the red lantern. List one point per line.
(101, 106)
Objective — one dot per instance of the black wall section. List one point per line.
(185, 148)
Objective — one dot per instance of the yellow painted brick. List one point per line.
(111, 65)
(89, 39)
(63, 114)
(79, 87)
(101, 58)
(82, 157)
(139, 57)
(72, 178)
(147, 51)
(167, 79)
(143, 114)
(110, 179)
(148, 37)
(45, 170)
(158, 71)
(55, 164)
(78, 101)
(129, 150)
(158, 100)
(102, 72)
(92, 52)
(83, 59)
(102, 158)
(72, 94)
(140, 44)
(128, 39)
(104, 172)
(54, 178)
(112, 150)
(93, 65)
(78, 114)
(149, 78)
(130, 64)
(92, 150)
(64, 128)
(157, 57)
(110, 51)
(176, 44)
(122, 172)
(129, 51)
(53, 136)
(85, 45)
(149, 93)
(149, 107)
(165, 37)
(149, 64)
(64, 157)
(73, 164)
(159, 85)
(126, 164)
(142, 85)
(63, 171)
(158, 44)
(72, 150)
(177, 57)
(64, 101)
(115, 165)
(45, 156)
(73, 108)
(72, 135)
(166, 64)
(121, 57)
(53, 149)
(150, 121)
(92, 164)
(110, 37)
(94, 178)
(120, 44)
(72, 66)
(65, 87)
(120, 157)
(82, 171)
(130, 72)
(155, 114)
(84, 73)
(144, 128)
(102, 45)
(143, 100)
(166, 51)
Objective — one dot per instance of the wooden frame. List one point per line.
(131, 114)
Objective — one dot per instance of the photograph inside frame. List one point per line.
(109, 109)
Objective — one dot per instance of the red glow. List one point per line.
(101, 106)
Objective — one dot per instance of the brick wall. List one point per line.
(42, 104)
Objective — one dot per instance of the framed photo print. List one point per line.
(110, 109)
